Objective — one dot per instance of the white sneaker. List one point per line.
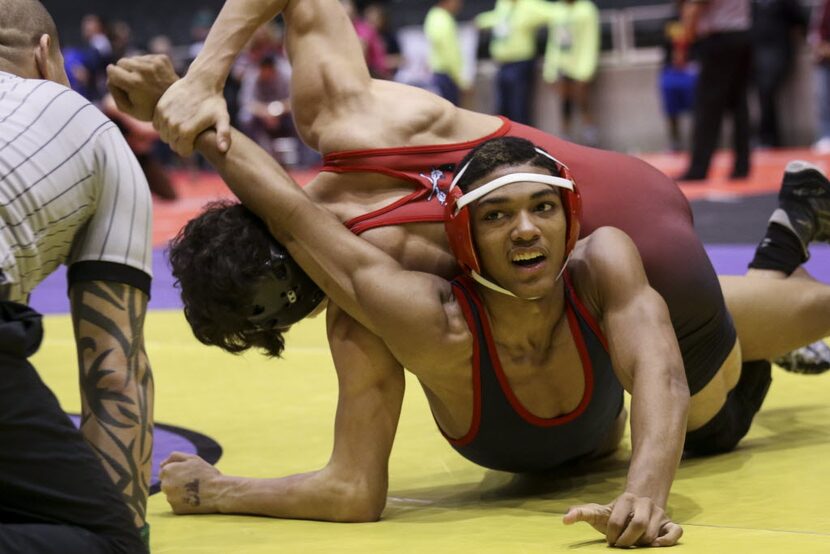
(811, 359)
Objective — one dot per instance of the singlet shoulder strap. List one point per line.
(582, 312)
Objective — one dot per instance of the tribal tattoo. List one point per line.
(116, 384)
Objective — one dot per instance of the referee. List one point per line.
(71, 192)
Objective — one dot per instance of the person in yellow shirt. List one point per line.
(514, 24)
(571, 61)
(445, 59)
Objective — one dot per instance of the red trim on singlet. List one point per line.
(344, 155)
(411, 208)
(587, 372)
(370, 169)
(365, 222)
(472, 432)
(587, 316)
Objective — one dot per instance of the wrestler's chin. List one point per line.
(534, 282)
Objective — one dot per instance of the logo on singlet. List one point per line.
(434, 178)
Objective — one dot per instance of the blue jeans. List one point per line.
(515, 82)
(446, 87)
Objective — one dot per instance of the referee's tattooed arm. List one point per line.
(116, 384)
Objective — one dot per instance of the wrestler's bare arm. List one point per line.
(353, 484)
(413, 312)
(197, 104)
(336, 105)
(647, 360)
(318, 28)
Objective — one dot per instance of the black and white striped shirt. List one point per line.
(70, 190)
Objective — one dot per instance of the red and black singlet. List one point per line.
(503, 434)
(618, 191)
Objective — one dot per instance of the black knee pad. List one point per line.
(723, 432)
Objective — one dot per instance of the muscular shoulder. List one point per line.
(603, 265)
(440, 340)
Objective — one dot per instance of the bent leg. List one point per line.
(774, 316)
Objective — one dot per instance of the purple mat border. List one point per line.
(50, 297)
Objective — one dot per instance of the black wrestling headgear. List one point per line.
(286, 295)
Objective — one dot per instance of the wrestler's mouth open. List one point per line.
(528, 259)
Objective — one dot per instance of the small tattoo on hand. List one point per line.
(192, 496)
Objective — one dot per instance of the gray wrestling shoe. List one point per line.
(804, 203)
(810, 360)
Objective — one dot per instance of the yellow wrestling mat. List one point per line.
(274, 418)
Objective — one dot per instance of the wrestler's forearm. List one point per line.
(315, 496)
(255, 178)
(116, 384)
(659, 407)
(364, 280)
(325, 249)
(233, 28)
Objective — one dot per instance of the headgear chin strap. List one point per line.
(285, 295)
(457, 221)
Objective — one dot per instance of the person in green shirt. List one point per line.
(445, 59)
(514, 24)
(571, 61)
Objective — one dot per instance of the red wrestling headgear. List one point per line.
(457, 214)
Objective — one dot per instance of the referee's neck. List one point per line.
(15, 67)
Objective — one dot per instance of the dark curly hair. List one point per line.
(501, 152)
(216, 258)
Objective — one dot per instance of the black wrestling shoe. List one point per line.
(804, 203)
(809, 360)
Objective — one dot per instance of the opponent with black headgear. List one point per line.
(285, 295)
(240, 287)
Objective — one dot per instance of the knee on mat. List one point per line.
(723, 432)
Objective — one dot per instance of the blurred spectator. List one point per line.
(377, 17)
(445, 59)
(95, 55)
(143, 140)
(514, 25)
(820, 40)
(374, 49)
(571, 62)
(163, 46)
(677, 82)
(721, 28)
(80, 77)
(267, 41)
(92, 31)
(265, 108)
(775, 26)
(199, 29)
(121, 40)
